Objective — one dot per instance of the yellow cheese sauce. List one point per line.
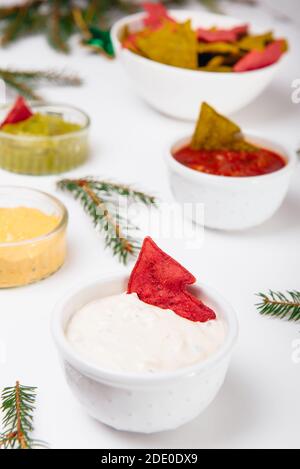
(36, 255)
(24, 223)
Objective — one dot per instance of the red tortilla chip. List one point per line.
(256, 59)
(221, 35)
(161, 281)
(241, 30)
(156, 14)
(19, 112)
(130, 42)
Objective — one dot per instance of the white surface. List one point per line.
(259, 404)
(142, 402)
(179, 92)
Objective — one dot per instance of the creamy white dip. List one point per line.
(122, 333)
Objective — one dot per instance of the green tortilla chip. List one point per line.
(249, 43)
(215, 132)
(172, 44)
(285, 45)
(218, 69)
(231, 60)
(216, 61)
(218, 48)
(240, 144)
(216, 64)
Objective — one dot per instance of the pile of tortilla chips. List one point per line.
(162, 39)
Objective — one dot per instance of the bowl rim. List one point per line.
(287, 152)
(54, 201)
(136, 16)
(38, 138)
(126, 378)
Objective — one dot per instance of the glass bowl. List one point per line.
(28, 261)
(39, 154)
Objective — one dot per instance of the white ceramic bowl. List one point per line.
(142, 402)
(232, 203)
(178, 92)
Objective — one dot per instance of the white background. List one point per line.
(259, 403)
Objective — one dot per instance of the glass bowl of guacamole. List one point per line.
(53, 140)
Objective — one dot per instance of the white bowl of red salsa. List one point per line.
(239, 189)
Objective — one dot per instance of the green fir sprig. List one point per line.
(25, 82)
(104, 201)
(280, 305)
(18, 405)
(56, 18)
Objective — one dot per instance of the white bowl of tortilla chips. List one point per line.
(177, 92)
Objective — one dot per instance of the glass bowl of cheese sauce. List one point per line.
(137, 367)
(32, 235)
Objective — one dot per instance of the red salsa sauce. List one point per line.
(231, 163)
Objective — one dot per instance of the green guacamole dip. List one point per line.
(43, 144)
(41, 124)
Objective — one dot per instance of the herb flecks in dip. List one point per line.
(122, 333)
(230, 162)
(41, 124)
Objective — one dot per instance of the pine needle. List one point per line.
(280, 305)
(55, 77)
(18, 405)
(25, 82)
(55, 30)
(56, 19)
(101, 201)
(20, 87)
(15, 25)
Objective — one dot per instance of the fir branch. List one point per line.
(21, 20)
(92, 11)
(25, 81)
(100, 200)
(20, 87)
(56, 17)
(55, 77)
(8, 12)
(280, 305)
(212, 5)
(120, 189)
(55, 30)
(14, 27)
(18, 407)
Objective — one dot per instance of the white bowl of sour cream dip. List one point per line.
(137, 367)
